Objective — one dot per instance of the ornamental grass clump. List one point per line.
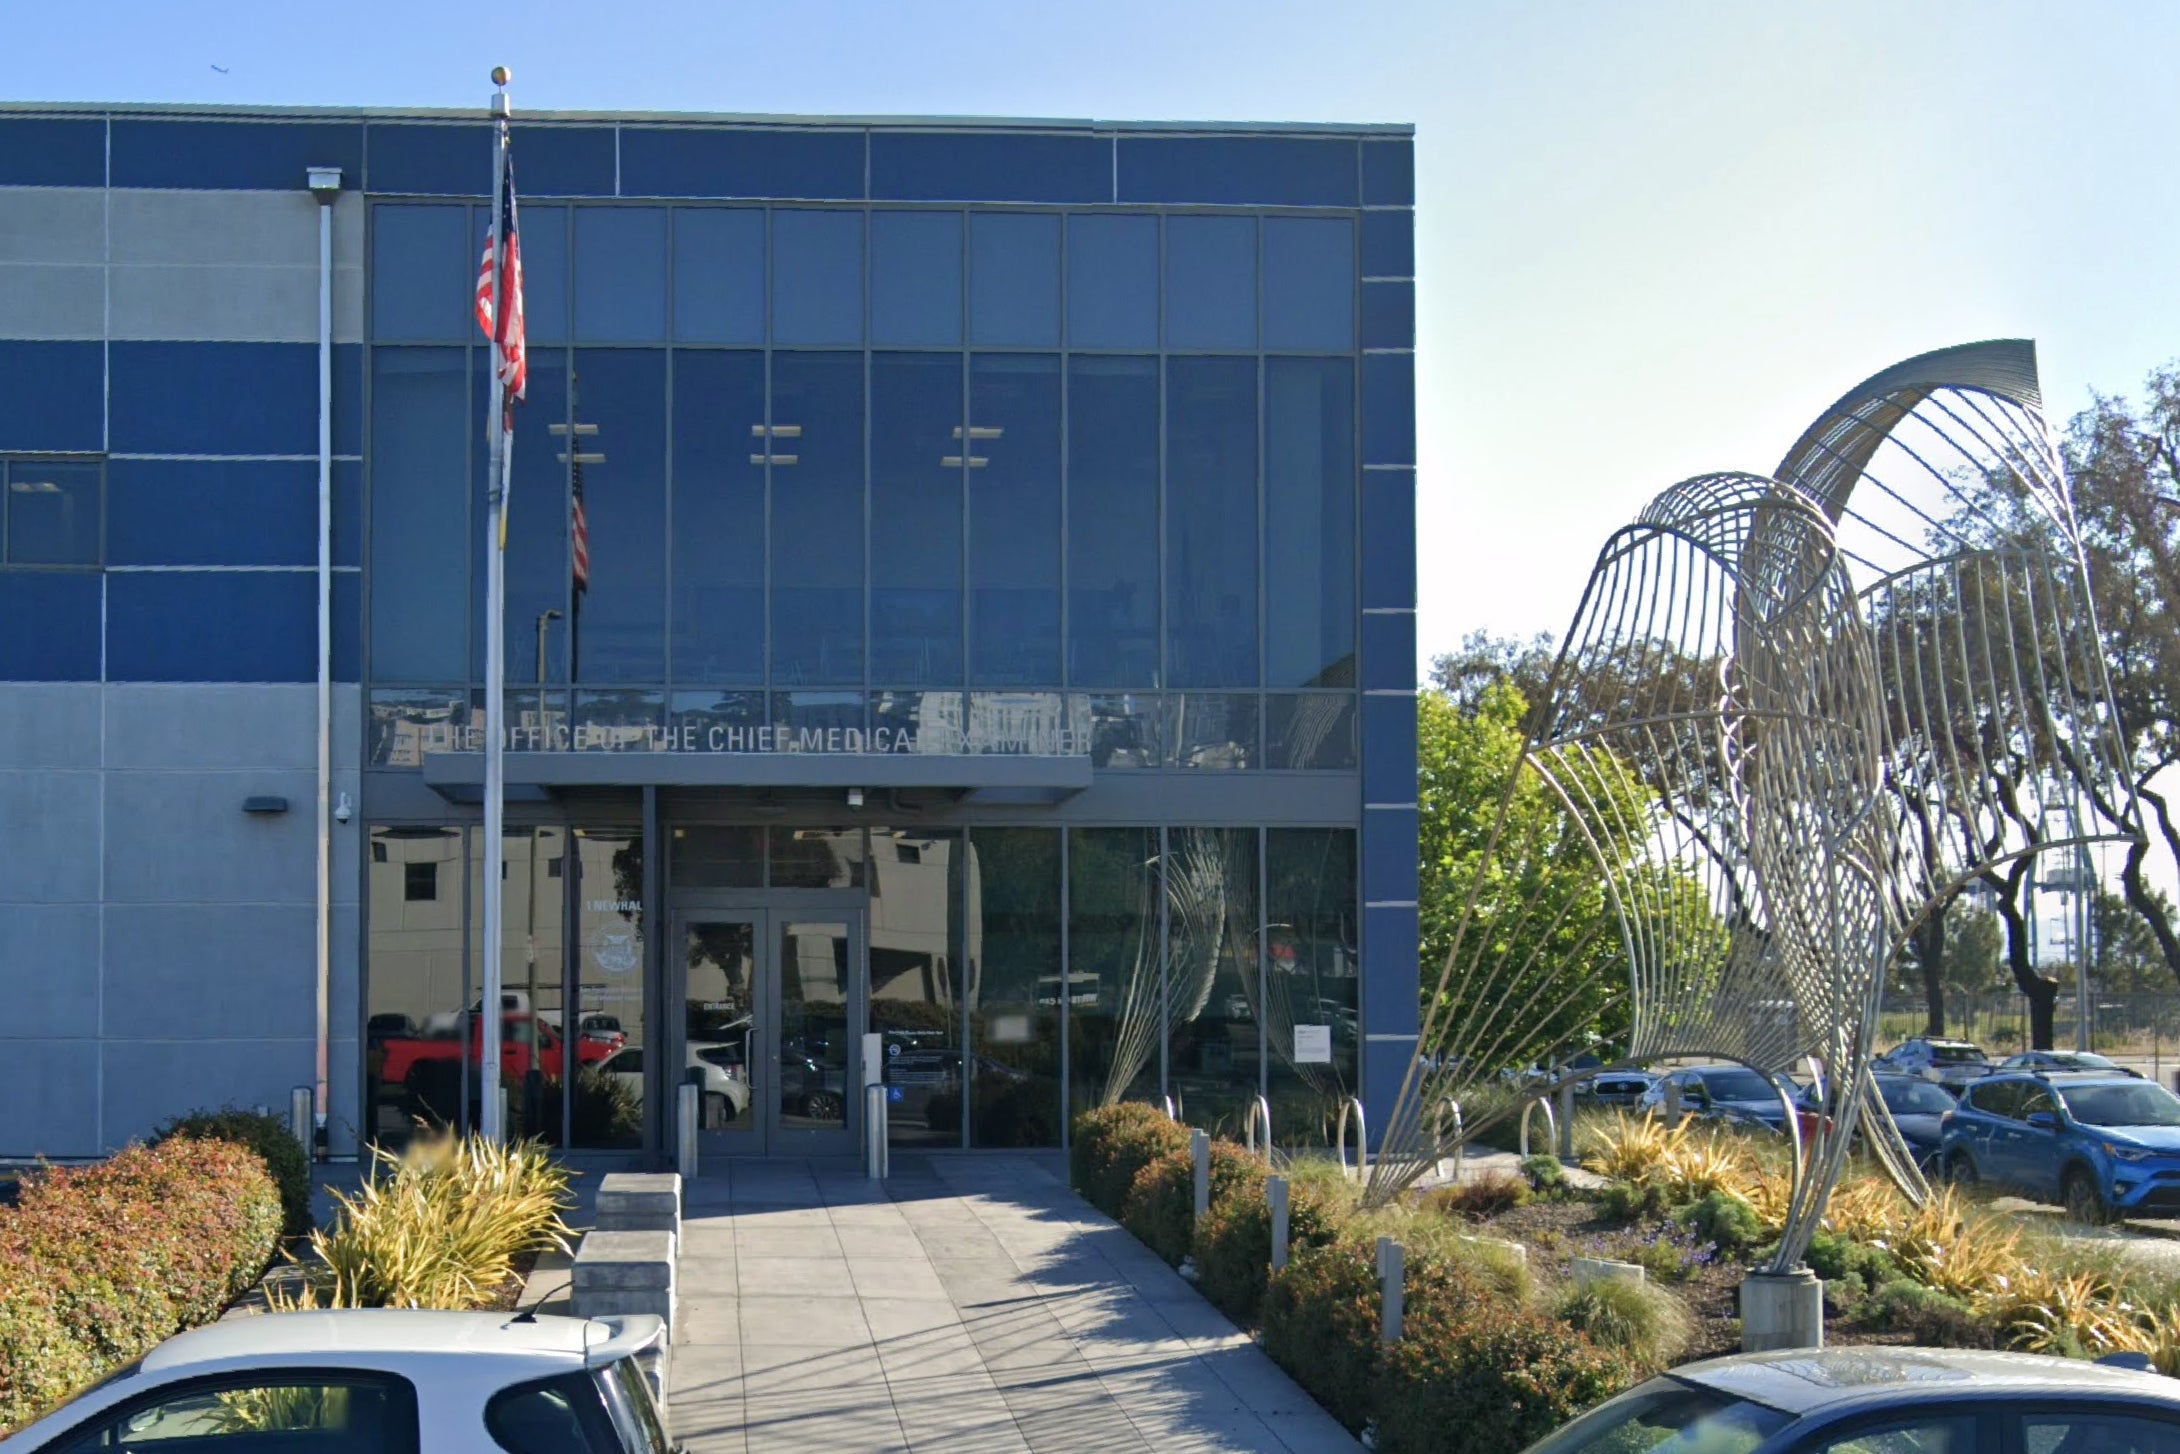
(1646, 1322)
(440, 1225)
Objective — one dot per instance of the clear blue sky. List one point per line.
(1654, 238)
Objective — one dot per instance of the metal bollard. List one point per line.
(1392, 1289)
(877, 1152)
(688, 1121)
(1199, 1149)
(1260, 1113)
(1353, 1107)
(1275, 1191)
(1171, 1113)
(302, 1118)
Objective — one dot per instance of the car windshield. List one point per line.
(1914, 1098)
(2137, 1103)
(1739, 1085)
(1958, 1055)
(1665, 1417)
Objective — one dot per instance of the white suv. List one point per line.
(1951, 1063)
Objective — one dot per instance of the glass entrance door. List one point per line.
(769, 998)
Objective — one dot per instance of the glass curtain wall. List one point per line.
(1214, 987)
(1311, 1005)
(416, 1041)
(1115, 982)
(916, 954)
(609, 1028)
(1014, 1017)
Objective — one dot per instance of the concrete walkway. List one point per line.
(970, 1304)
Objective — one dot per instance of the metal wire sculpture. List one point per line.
(1794, 717)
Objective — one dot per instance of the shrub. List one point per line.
(1432, 1246)
(1727, 1221)
(1640, 1319)
(1487, 1196)
(1161, 1204)
(1634, 1201)
(1501, 1375)
(1857, 1267)
(1321, 1324)
(98, 1264)
(1545, 1175)
(438, 1226)
(1233, 1244)
(272, 1140)
(1112, 1143)
(1928, 1316)
(1675, 1253)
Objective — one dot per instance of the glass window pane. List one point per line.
(915, 278)
(1014, 901)
(2099, 1432)
(415, 1032)
(608, 1014)
(1212, 731)
(1211, 282)
(1112, 967)
(817, 858)
(1112, 282)
(620, 274)
(1127, 729)
(817, 276)
(420, 503)
(1112, 525)
(1014, 520)
(706, 856)
(915, 977)
(52, 513)
(719, 721)
(817, 721)
(718, 534)
(423, 278)
(1310, 730)
(1309, 522)
(719, 275)
(1014, 279)
(1211, 522)
(817, 515)
(1309, 283)
(1936, 1434)
(533, 1062)
(1214, 1049)
(537, 524)
(618, 720)
(1309, 978)
(915, 519)
(618, 627)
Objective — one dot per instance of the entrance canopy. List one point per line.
(978, 777)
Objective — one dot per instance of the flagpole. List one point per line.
(492, 1023)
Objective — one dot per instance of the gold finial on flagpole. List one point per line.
(501, 75)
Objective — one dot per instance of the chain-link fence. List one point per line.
(2141, 1031)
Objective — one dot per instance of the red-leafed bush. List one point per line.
(1161, 1204)
(1112, 1143)
(99, 1264)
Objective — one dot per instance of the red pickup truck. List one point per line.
(518, 1034)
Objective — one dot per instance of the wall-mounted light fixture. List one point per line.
(264, 805)
(855, 797)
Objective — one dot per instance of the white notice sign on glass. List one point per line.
(1313, 1045)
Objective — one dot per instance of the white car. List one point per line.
(712, 1065)
(364, 1381)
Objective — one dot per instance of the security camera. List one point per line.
(341, 811)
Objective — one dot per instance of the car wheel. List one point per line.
(1960, 1169)
(822, 1106)
(2083, 1199)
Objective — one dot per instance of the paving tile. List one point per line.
(703, 1372)
(708, 1317)
(906, 1317)
(893, 1277)
(707, 1425)
(800, 1276)
(804, 1322)
(1315, 1432)
(752, 1243)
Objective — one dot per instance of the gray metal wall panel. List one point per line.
(48, 724)
(209, 971)
(52, 301)
(216, 227)
(50, 1088)
(192, 726)
(218, 303)
(52, 224)
(182, 838)
(49, 846)
(48, 973)
(143, 1082)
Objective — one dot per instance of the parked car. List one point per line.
(2099, 1144)
(2065, 1060)
(1727, 1092)
(1885, 1401)
(1918, 1107)
(1617, 1088)
(725, 1093)
(1951, 1063)
(520, 1037)
(361, 1381)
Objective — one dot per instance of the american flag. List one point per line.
(502, 323)
(580, 558)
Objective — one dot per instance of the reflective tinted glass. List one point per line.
(1214, 1040)
(1015, 1024)
(817, 518)
(1310, 978)
(817, 276)
(618, 626)
(1308, 730)
(1211, 522)
(52, 513)
(1309, 283)
(718, 535)
(915, 278)
(1309, 522)
(1112, 282)
(1014, 520)
(1112, 966)
(1112, 528)
(544, 235)
(916, 519)
(1014, 279)
(1213, 731)
(420, 503)
(1211, 282)
(719, 275)
(1388, 315)
(537, 524)
(423, 278)
(620, 274)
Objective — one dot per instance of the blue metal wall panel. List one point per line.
(1391, 1009)
(1389, 652)
(1389, 749)
(219, 398)
(212, 626)
(1388, 244)
(438, 160)
(49, 622)
(989, 167)
(42, 152)
(52, 398)
(234, 155)
(1388, 538)
(1271, 171)
(693, 162)
(1388, 173)
(1388, 405)
(1388, 315)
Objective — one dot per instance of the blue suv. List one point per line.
(2099, 1143)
